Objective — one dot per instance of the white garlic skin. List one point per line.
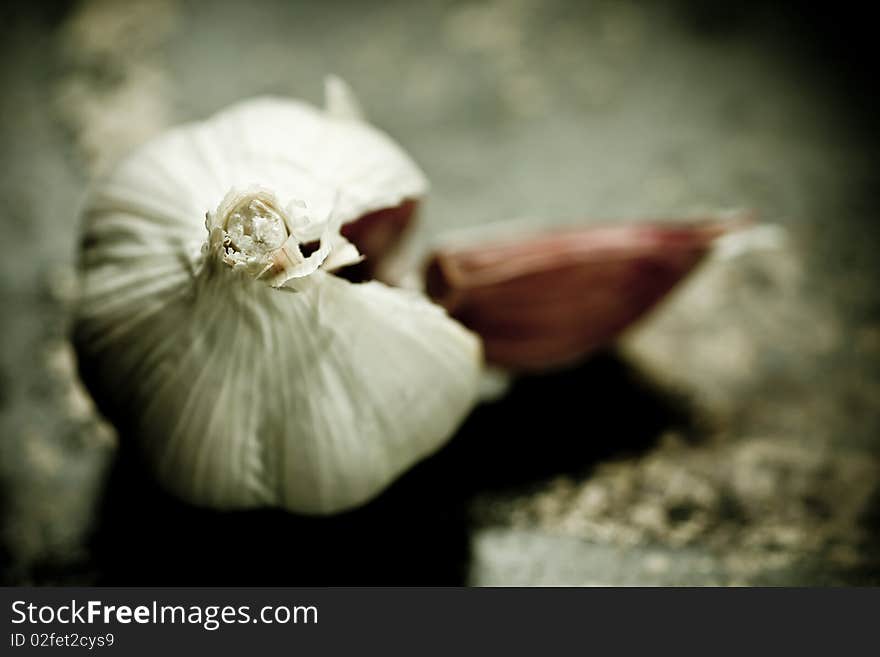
(241, 391)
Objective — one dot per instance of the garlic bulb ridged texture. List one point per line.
(210, 318)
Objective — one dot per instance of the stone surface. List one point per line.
(733, 439)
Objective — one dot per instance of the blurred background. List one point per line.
(732, 438)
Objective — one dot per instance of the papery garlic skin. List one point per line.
(313, 401)
(249, 374)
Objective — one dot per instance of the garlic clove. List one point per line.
(377, 235)
(548, 300)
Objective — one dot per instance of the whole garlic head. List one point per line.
(248, 372)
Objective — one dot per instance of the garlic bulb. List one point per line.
(250, 374)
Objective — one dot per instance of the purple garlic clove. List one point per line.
(376, 236)
(548, 300)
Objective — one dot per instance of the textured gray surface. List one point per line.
(548, 111)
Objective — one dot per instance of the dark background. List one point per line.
(731, 439)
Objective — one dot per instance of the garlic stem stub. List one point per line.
(251, 234)
(211, 319)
